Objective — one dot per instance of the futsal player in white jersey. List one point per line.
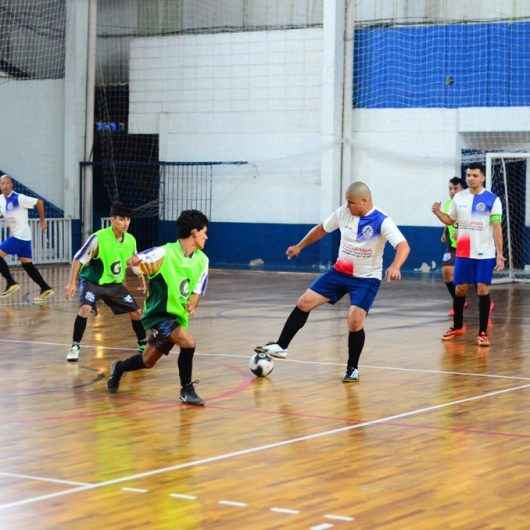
(357, 271)
(477, 214)
(14, 208)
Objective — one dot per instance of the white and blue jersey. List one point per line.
(362, 241)
(14, 209)
(474, 215)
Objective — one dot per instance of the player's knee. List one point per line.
(461, 290)
(305, 303)
(136, 315)
(483, 289)
(187, 342)
(355, 321)
(447, 274)
(85, 310)
(149, 361)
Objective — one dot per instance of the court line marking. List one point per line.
(46, 479)
(237, 504)
(377, 367)
(135, 490)
(323, 526)
(338, 517)
(260, 448)
(285, 511)
(298, 361)
(182, 496)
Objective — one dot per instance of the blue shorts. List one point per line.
(473, 271)
(16, 247)
(334, 285)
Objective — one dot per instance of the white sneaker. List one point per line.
(273, 349)
(351, 376)
(73, 353)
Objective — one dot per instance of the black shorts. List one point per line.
(160, 336)
(116, 296)
(448, 259)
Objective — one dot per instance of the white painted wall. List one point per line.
(238, 96)
(32, 135)
(408, 155)
(370, 10)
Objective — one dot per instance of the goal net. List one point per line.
(508, 177)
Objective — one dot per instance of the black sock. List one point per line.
(484, 302)
(355, 347)
(294, 323)
(458, 307)
(79, 328)
(185, 365)
(34, 274)
(451, 288)
(139, 330)
(136, 362)
(4, 271)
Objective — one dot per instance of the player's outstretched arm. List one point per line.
(394, 270)
(499, 246)
(71, 286)
(437, 210)
(42, 219)
(315, 234)
(193, 303)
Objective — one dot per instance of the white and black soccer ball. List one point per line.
(261, 364)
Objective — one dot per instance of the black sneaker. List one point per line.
(113, 382)
(189, 396)
(351, 376)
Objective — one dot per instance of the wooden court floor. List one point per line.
(433, 436)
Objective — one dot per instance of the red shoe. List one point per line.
(451, 333)
(482, 339)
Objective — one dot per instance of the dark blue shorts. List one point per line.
(473, 271)
(16, 247)
(160, 336)
(334, 285)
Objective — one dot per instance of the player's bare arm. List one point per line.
(444, 218)
(315, 234)
(394, 270)
(71, 286)
(499, 246)
(42, 219)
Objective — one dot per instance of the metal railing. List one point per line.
(52, 246)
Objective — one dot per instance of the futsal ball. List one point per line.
(261, 364)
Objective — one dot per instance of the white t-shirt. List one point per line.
(472, 213)
(362, 241)
(15, 211)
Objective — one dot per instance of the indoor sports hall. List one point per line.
(262, 115)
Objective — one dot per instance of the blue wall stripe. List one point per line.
(407, 67)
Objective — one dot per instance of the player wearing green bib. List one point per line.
(178, 276)
(101, 264)
(449, 238)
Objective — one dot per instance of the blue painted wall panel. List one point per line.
(236, 244)
(408, 67)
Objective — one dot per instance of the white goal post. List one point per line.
(508, 176)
